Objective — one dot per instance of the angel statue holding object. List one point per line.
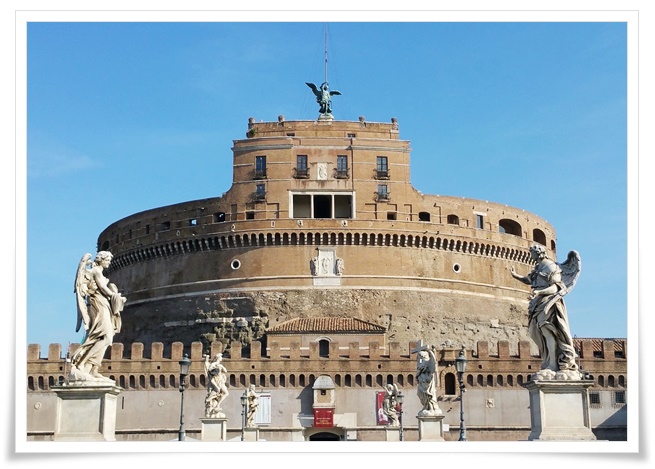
(548, 323)
(427, 381)
(99, 306)
(390, 405)
(323, 97)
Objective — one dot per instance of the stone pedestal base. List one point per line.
(392, 433)
(559, 410)
(213, 429)
(86, 412)
(430, 428)
(251, 434)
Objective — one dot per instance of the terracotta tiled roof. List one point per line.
(326, 325)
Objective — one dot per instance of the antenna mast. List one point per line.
(326, 54)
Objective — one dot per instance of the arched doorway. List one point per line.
(324, 436)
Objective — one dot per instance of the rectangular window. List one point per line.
(338, 205)
(147, 229)
(260, 167)
(479, 221)
(352, 135)
(301, 166)
(260, 192)
(342, 167)
(193, 222)
(594, 399)
(619, 398)
(165, 226)
(383, 192)
(382, 168)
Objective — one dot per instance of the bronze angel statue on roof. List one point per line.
(323, 97)
(99, 305)
(548, 322)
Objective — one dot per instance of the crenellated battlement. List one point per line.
(603, 349)
(350, 365)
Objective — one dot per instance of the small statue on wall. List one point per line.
(252, 404)
(548, 323)
(216, 386)
(313, 266)
(99, 307)
(390, 405)
(339, 266)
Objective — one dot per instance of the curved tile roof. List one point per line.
(326, 324)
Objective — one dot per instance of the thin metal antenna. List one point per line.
(326, 55)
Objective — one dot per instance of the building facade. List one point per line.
(323, 266)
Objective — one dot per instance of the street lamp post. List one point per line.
(460, 366)
(244, 405)
(185, 363)
(400, 398)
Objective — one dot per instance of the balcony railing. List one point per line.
(382, 196)
(341, 174)
(259, 174)
(382, 174)
(301, 173)
(259, 196)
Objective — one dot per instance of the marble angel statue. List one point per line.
(548, 322)
(99, 307)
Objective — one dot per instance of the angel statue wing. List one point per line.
(335, 92)
(571, 270)
(317, 93)
(81, 291)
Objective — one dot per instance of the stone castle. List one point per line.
(322, 260)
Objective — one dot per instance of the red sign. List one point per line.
(324, 417)
(381, 416)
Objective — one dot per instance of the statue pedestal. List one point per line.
(251, 434)
(559, 410)
(213, 429)
(86, 412)
(430, 428)
(392, 433)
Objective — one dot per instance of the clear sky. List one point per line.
(125, 117)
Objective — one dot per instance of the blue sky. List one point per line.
(124, 117)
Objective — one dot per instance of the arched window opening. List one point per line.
(452, 220)
(519, 380)
(539, 236)
(358, 381)
(508, 226)
(324, 348)
(601, 381)
(450, 386)
(490, 380)
(499, 380)
(369, 380)
(348, 381)
(610, 381)
(510, 380)
(423, 216)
